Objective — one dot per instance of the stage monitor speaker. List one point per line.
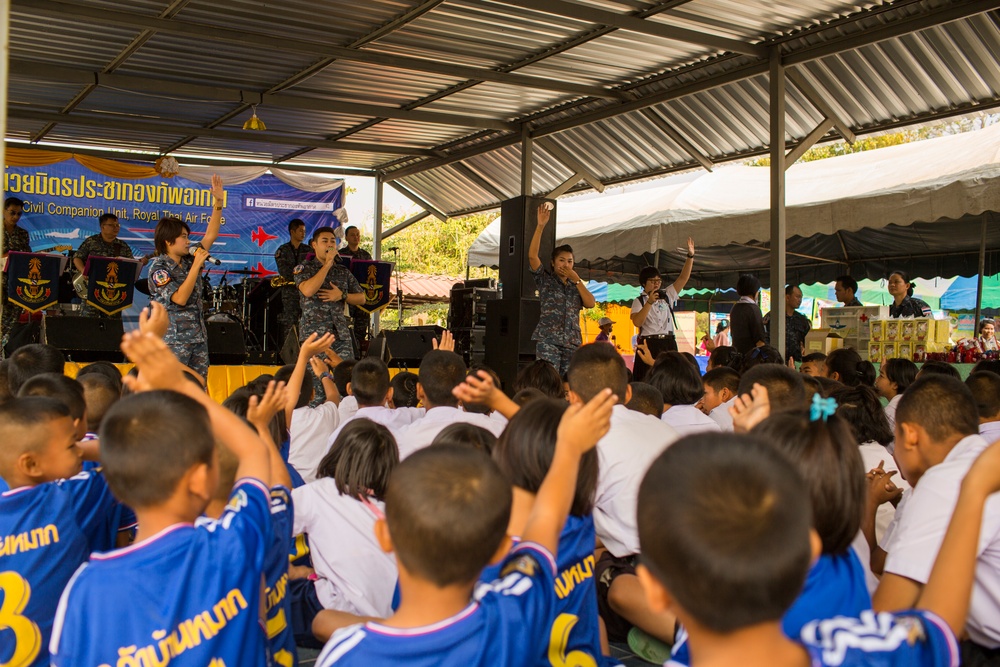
(403, 348)
(509, 326)
(85, 338)
(226, 345)
(518, 219)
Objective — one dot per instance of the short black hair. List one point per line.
(848, 283)
(59, 387)
(468, 435)
(850, 368)
(560, 249)
(791, 288)
(149, 441)
(440, 372)
(861, 409)
(942, 405)
(526, 447)
(404, 390)
(784, 386)
(105, 368)
(676, 380)
(542, 375)
(479, 408)
(447, 509)
(900, 371)
(985, 388)
(342, 374)
(983, 322)
(284, 374)
(711, 511)
(361, 459)
(107, 216)
(939, 368)
(905, 277)
(722, 378)
(370, 381)
(991, 365)
(828, 459)
(762, 354)
(527, 395)
(747, 285)
(100, 393)
(294, 224)
(30, 360)
(20, 419)
(595, 367)
(646, 399)
(321, 230)
(349, 229)
(722, 355)
(12, 201)
(238, 403)
(648, 273)
(168, 230)
(813, 357)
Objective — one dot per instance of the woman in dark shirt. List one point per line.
(904, 303)
(746, 324)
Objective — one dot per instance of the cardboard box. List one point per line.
(854, 321)
(823, 340)
(877, 330)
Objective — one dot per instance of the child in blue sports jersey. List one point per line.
(277, 603)
(524, 454)
(826, 454)
(50, 520)
(447, 511)
(187, 595)
(725, 529)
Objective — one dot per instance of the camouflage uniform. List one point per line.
(558, 332)
(186, 336)
(96, 245)
(797, 326)
(362, 320)
(15, 240)
(323, 317)
(287, 257)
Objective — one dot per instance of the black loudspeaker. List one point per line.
(509, 325)
(403, 348)
(226, 345)
(85, 338)
(518, 219)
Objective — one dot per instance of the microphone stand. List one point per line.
(399, 288)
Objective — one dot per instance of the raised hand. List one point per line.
(315, 344)
(200, 256)
(750, 409)
(582, 426)
(447, 342)
(158, 367)
(261, 410)
(544, 213)
(154, 319)
(332, 358)
(690, 245)
(217, 190)
(317, 366)
(645, 356)
(478, 388)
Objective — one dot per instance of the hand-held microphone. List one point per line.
(194, 249)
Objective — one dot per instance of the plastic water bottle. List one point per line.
(499, 289)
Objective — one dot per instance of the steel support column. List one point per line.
(982, 271)
(527, 158)
(377, 234)
(777, 111)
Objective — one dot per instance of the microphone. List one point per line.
(193, 249)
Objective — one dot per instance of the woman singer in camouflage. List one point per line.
(562, 295)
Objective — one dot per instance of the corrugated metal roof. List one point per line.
(623, 100)
(423, 288)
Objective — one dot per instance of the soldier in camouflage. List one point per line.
(175, 281)
(287, 257)
(14, 239)
(105, 244)
(562, 295)
(325, 287)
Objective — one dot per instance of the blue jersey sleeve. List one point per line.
(249, 515)
(882, 640)
(278, 604)
(97, 512)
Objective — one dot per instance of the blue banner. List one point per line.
(33, 280)
(375, 279)
(64, 200)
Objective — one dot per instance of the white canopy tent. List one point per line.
(952, 180)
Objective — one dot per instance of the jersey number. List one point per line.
(27, 637)
(558, 641)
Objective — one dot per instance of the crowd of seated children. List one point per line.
(371, 388)
(985, 389)
(680, 385)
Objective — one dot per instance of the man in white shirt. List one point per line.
(370, 387)
(936, 442)
(624, 455)
(721, 387)
(440, 372)
(985, 388)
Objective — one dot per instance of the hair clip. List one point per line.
(822, 408)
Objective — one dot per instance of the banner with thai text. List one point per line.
(63, 202)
